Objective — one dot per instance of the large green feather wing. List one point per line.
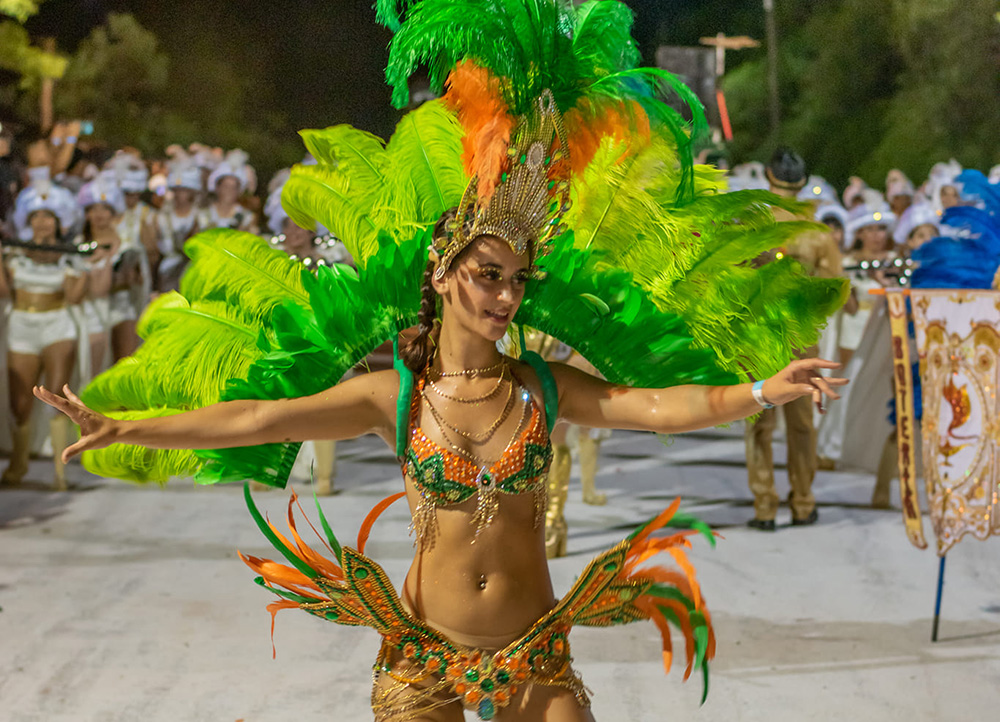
(359, 188)
(695, 259)
(195, 343)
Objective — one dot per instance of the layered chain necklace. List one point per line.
(449, 430)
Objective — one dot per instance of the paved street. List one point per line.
(122, 603)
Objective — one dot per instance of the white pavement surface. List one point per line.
(122, 603)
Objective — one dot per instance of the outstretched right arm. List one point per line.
(361, 405)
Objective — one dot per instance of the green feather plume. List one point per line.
(358, 187)
(694, 259)
(577, 53)
(425, 154)
(247, 275)
(194, 346)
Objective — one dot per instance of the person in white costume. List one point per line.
(137, 230)
(41, 334)
(227, 183)
(112, 269)
(869, 225)
(177, 220)
(898, 191)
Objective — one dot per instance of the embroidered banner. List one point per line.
(902, 373)
(958, 340)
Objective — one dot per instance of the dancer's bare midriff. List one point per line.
(486, 590)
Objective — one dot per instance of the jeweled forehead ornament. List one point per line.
(531, 197)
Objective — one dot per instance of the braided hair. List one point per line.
(417, 353)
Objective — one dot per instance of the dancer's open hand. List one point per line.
(96, 430)
(801, 378)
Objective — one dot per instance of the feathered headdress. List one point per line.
(649, 269)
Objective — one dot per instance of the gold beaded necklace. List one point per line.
(470, 400)
(470, 372)
(478, 461)
(482, 437)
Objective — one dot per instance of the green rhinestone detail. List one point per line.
(548, 160)
(487, 684)
(360, 573)
(472, 675)
(551, 184)
(610, 567)
(503, 176)
(503, 677)
(524, 158)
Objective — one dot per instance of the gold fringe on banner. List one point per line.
(903, 384)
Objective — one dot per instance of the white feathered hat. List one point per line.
(103, 189)
(183, 170)
(917, 215)
(873, 212)
(897, 184)
(129, 172)
(234, 165)
(817, 189)
(43, 195)
(941, 175)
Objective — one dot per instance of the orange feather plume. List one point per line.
(591, 121)
(474, 95)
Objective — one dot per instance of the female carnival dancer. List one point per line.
(41, 335)
(230, 179)
(468, 207)
(113, 270)
(177, 221)
(137, 230)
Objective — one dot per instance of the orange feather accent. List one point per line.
(658, 523)
(591, 121)
(274, 608)
(661, 623)
(309, 555)
(288, 577)
(667, 576)
(474, 96)
(373, 515)
(648, 606)
(315, 530)
(682, 561)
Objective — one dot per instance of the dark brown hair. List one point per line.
(417, 353)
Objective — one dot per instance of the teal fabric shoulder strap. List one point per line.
(550, 392)
(403, 400)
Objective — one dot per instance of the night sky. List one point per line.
(321, 61)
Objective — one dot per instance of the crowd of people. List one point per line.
(91, 235)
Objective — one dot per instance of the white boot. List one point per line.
(326, 466)
(556, 530)
(589, 449)
(18, 466)
(59, 433)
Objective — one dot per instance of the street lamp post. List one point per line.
(772, 64)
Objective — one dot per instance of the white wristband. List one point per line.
(757, 390)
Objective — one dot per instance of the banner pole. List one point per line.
(937, 603)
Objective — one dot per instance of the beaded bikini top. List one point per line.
(444, 477)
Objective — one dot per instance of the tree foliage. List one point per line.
(122, 80)
(866, 87)
(17, 54)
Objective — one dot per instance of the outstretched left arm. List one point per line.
(590, 401)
